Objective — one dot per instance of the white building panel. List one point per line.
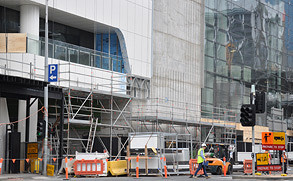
(116, 13)
(80, 7)
(131, 17)
(145, 3)
(123, 16)
(145, 20)
(107, 12)
(132, 1)
(130, 44)
(71, 7)
(137, 49)
(90, 11)
(144, 49)
(99, 11)
(61, 4)
(138, 19)
(139, 2)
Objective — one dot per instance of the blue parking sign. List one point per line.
(53, 73)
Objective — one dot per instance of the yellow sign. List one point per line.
(35, 165)
(32, 148)
(32, 156)
(279, 138)
(267, 138)
(50, 170)
(262, 159)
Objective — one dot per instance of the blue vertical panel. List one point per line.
(113, 44)
(120, 62)
(105, 47)
(105, 50)
(99, 42)
(97, 62)
(113, 50)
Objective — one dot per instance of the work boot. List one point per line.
(207, 177)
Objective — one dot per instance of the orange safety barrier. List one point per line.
(88, 167)
(137, 166)
(66, 168)
(225, 169)
(247, 166)
(1, 160)
(193, 166)
(165, 167)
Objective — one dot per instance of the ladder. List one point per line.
(91, 137)
(230, 135)
(78, 106)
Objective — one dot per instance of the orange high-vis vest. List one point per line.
(285, 157)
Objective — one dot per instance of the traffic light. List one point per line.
(247, 116)
(41, 129)
(260, 102)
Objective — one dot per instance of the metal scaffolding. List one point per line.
(117, 103)
(121, 103)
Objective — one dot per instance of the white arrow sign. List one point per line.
(52, 77)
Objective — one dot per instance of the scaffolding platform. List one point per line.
(166, 120)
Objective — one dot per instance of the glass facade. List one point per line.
(248, 42)
(9, 20)
(67, 34)
(68, 43)
(109, 43)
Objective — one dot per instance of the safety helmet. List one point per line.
(203, 145)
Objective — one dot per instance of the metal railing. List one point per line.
(76, 54)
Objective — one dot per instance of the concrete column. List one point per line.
(29, 23)
(21, 115)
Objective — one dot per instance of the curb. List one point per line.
(264, 177)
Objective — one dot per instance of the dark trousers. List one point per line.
(285, 167)
(201, 165)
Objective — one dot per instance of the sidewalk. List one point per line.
(265, 177)
(26, 176)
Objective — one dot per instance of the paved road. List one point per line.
(33, 177)
(40, 177)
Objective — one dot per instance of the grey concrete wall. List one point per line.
(178, 43)
(4, 118)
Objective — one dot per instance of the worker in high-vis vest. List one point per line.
(201, 160)
(284, 159)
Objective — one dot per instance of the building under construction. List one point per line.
(123, 67)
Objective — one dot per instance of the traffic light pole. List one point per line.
(253, 143)
(46, 94)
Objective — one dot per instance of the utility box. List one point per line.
(138, 141)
